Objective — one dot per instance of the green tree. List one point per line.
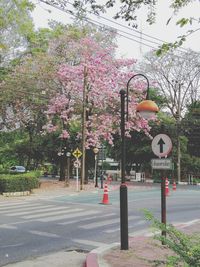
(191, 128)
(15, 25)
(28, 85)
(177, 78)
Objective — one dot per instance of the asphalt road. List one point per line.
(35, 227)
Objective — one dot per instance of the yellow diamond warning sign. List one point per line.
(77, 153)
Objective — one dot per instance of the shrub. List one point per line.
(19, 182)
(186, 247)
(3, 170)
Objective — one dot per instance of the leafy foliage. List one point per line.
(191, 128)
(15, 25)
(186, 247)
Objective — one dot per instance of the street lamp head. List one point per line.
(95, 150)
(147, 108)
(68, 154)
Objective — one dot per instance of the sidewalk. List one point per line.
(143, 250)
(59, 259)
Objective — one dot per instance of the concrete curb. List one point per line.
(95, 257)
(91, 260)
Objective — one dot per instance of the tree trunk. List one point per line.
(68, 172)
(178, 160)
(62, 169)
(83, 130)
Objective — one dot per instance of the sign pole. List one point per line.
(161, 147)
(77, 154)
(163, 203)
(77, 188)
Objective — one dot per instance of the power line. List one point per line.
(134, 30)
(117, 29)
(99, 23)
(129, 38)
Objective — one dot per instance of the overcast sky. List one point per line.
(134, 44)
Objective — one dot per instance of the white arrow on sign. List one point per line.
(161, 145)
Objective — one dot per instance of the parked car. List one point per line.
(17, 169)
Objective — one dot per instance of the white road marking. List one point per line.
(13, 245)
(141, 222)
(104, 223)
(18, 206)
(62, 217)
(46, 234)
(7, 226)
(50, 214)
(86, 219)
(41, 209)
(6, 204)
(99, 224)
(109, 231)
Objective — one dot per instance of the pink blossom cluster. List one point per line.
(96, 71)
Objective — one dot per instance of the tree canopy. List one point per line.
(177, 76)
(15, 27)
(191, 128)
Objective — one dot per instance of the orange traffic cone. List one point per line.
(174, 186)
(105, 199)
(166, 187)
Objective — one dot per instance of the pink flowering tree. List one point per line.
(101, 76)
(90, 99)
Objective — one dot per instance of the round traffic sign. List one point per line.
(161, 145)
(77, 164)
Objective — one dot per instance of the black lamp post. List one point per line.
(68, 154)
(102, 157)
(95, 150)
(147, 108)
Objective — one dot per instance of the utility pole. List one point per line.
(178, 135)
(83, 128)
(177, 97)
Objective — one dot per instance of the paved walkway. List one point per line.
(59, 259)
(144, 251)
